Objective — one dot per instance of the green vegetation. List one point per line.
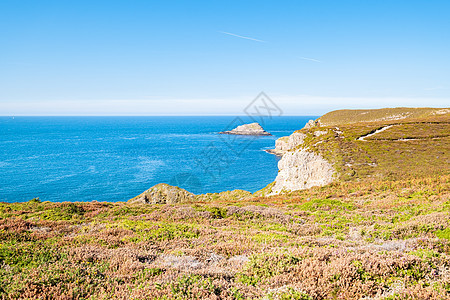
(347, 240)
(443, 234)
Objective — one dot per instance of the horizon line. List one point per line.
(161, 115)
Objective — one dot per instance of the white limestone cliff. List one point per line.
(302, 169)
(287, 143)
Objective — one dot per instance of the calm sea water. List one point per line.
(117, 158)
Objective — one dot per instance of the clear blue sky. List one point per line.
(180, 57)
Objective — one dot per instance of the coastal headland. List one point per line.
(359, 209)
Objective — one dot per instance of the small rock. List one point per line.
(238, 260)
(320, 132)
(180, 262)
(214, 258)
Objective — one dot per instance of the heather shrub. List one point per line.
(64, 211)
(443, 233)
(288, 294)
(214, 211)
(265, 266)
(355, 240)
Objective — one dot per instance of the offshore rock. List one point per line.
(247, 129)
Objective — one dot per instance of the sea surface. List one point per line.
(116, 158)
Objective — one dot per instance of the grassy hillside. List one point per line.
(410, 147)
(385, 240)
(381, 231)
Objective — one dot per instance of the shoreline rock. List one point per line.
(247, 129)
(275, 152)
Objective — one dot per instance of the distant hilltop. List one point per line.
(350, 116)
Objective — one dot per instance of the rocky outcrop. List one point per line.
(163, 193)
(247, 129)
(286, 143)
(302, 169)
(310, 124)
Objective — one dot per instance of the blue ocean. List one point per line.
(116, 158)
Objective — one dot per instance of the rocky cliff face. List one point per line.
(302, 169)
(163, 194)
(286, 143)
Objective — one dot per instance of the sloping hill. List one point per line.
(416, 145)
(351, 116)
